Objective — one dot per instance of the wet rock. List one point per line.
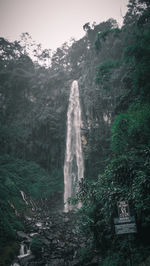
(66, 220)
(61, 242)
(23, 236)
(33, 234)
(54, 242)
(50, 236)
(56, 262)
(46, 242)
(26, 261)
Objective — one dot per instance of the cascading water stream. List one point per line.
(24, 197)
(73, 166)
(24, 251)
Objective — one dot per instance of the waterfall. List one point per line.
(24, 197)
(24, 251)
(73, 166)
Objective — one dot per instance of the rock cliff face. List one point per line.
(81, 61)
(61, 242)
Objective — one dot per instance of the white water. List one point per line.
(73, 166)
(39, 224)
(24, 197)
(24, 252)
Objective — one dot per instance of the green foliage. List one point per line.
(138, 12)
(54, 182)
(114, 260)
(85, 255)
(18, 175)
(36, 246)
(102, 36)
(131, 128)
(125, 178)
(138, 56)
(29, 177)
(32, 131)
(104, 72)
(8, 253)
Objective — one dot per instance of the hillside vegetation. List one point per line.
(112, 66)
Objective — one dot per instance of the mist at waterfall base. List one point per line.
(74, 165)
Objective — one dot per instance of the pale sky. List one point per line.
(53, 22)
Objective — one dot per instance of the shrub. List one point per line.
(36, 246)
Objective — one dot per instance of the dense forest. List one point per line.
(112, 66)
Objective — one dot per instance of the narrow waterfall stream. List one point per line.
(74, 165)
(24, 251)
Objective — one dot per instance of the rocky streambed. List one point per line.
(56, 242)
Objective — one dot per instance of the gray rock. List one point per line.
(23, 235)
